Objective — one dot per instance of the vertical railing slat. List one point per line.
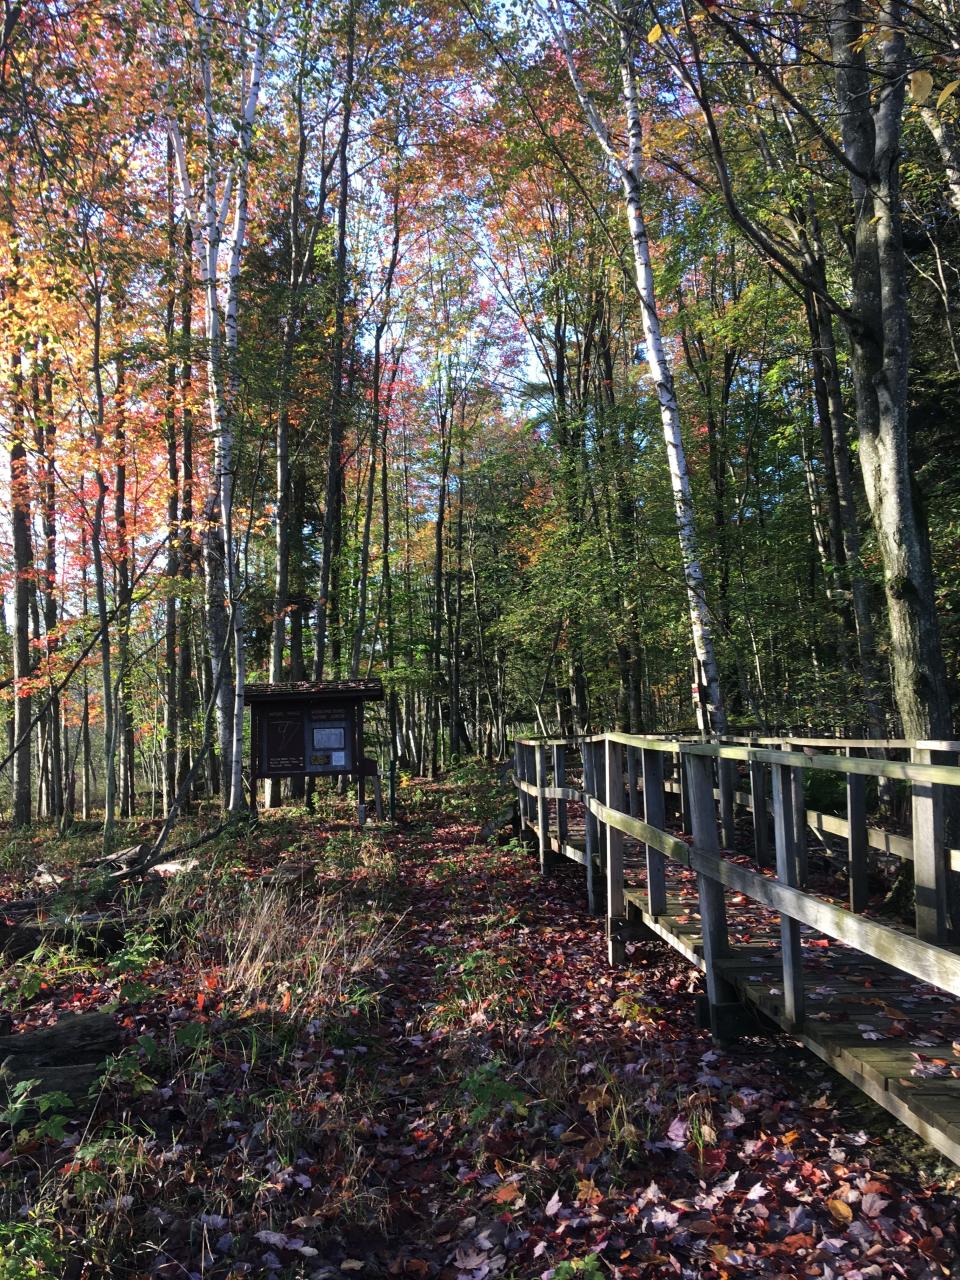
(591, 831)
(633, 795)
(560, 780)
(758, 805)
(600, 777)
(929, 855)
(655, 813)
(726, 776)
(784, 829)
(798, 809)
(683, 799)
(857, 867)
(616, 906)
(522, 775)
(543, 812)
(713, 911)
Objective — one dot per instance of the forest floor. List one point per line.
(405, 1055)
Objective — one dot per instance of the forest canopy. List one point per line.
(566, 366)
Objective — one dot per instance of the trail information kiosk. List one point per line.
(311, 729)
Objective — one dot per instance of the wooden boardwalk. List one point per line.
(877, 1003)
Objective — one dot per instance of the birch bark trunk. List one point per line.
(631, 172)
(701, 624)
(225, 615)
(332, 500)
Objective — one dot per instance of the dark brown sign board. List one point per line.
(310, 729)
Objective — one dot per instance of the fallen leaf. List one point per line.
(840, 1211)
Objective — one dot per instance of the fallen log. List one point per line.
(67, 1057)
(90, 935)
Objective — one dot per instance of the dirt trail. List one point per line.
(481, 1095)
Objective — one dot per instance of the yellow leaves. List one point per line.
(947, 93)
(654, 34)
(841, 1212)
(594, 1097)
(921, 86)
(588, 1193)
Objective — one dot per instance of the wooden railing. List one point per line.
(622, 774)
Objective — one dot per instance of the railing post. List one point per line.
(758, 806)
(929, 855)
(543, 813)
(655, 813)
(591, 829)
(857, 837)
(616, 907)
(726, 772)
(713, 911)
(559, 780)
(784, 831)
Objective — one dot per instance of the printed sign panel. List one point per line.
(305, 739)
(329, 736)
(283, 741)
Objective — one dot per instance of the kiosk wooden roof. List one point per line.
(336, 691)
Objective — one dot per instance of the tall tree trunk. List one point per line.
(173, 533)
(124, 702)
(22, 596)
(843, 510)
(436, 646)
(46, 439)
(99, 582)
(225, 619)
(377, 407)
(631, 173)
(187, 558)
(332, 511)
(878, 332)
(455, 726)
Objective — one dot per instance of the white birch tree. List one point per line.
(218, 218)
(628, 164)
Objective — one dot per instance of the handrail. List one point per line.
(923, 960)
(943, 774)
(672, 846)
(609, 782)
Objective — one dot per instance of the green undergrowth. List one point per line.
(339, 1047)
(249, 987)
